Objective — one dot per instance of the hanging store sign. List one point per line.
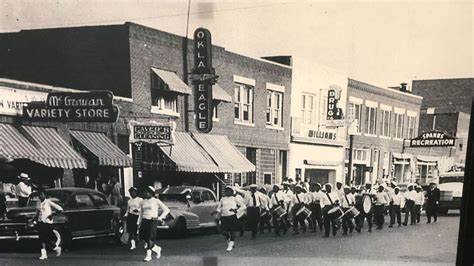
(13, 100)
(433, 139)
(334, 115)
(152, 132)
(93, 106)
(203, 78)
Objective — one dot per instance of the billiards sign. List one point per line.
(334, 115)
(94, 106)
(433, 138)
(203, 78)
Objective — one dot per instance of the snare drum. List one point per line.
(367, 204)
(264, 214)
(352, 212)
(335, 213)
(303, 213)
(279, 212)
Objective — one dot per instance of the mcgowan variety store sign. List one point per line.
(433, 139)
(93, 106)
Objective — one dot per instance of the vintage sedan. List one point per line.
(191, 207)
(87, 214)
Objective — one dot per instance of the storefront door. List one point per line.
(317, 175)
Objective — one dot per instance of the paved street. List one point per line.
(423, 244)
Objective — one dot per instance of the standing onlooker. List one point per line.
(432, 202)
(3, 203)
(115, 195)
(23, 190)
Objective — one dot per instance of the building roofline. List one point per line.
(367, 85)
(444, 79)
(45, 88)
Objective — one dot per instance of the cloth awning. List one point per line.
(188, 155)
(13, 145)
(426, 158)
(226, 155)
(321, 163)
(103, 149)
(55, 151)
(219, 94)
(172, 81)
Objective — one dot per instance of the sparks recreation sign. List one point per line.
(203, 79)
(93, 106)
(433, 139)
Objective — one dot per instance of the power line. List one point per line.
(152, 17)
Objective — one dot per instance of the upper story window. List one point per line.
(165, 88)
(355, 112)
(274, 111)
(165, 101)
(371, 118)
(308, 109)
(411, 126)
(386, 122)
(243, 103)
(399, 125)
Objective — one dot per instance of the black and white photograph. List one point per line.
(236, 132)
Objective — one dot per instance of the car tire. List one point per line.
(179, 229)
(443, 211)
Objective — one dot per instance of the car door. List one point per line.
(104, 214)
(209, 205)
(196, 204)
(82, 215)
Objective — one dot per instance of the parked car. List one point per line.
(191, 207)
(450, 186)
(87, 214)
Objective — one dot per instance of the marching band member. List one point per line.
(339, 191)
(347, 202)
(419, 200)
(410, 205)
(396, 200)
(287, 199)
(227, 209)
(316, 196)
(381, 201)
(390, 189)
(242, 213)
(298, 201)
(132, 214)
(358, 199)
(368, 191)
(150, 206)
(265, 208)
(277, 200)
(253, 201)
(328, 202)
(44, 217)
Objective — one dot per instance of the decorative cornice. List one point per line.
(391, 93)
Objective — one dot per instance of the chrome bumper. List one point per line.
(18, 237)
(163, 227)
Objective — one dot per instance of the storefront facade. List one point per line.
(383, 120)
(316, 148)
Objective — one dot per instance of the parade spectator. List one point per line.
(23, 190)
(113, 191)
(3, 203)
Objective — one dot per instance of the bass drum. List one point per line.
(367, 204)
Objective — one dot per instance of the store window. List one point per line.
(267, 178)
(401, 170)
(243, 103)
(165, 101)
(308, 109)
(355, 113)
(386, 119)
(399, 125)
(274, 111)
(371, 120)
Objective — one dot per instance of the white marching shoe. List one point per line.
(58, 251)
(43, 254)
(157, 250)
(230, 246)
(132, 245)
(148, 255)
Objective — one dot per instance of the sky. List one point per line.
(378, 42)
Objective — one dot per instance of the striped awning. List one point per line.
(188, 155)
(55, 151)
(172, 81)
(13, 145)
(219, 94)
(225, 154)
(103, 149)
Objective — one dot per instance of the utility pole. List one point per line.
(185, 71)
(349, 167)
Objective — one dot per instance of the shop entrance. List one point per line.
(318, 175)
(359, 174)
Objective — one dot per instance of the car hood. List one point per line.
(21, 214)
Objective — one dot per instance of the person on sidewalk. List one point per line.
(227, 210)
(395, 212)
(45, 210)
(132, 214)
(23, 190)
(432, 202)
(149, 220)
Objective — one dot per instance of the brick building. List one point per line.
(446, 107)
(252, 96)
(383, 118)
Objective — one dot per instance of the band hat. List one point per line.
(133, 189)
(229, 188)
(24, 176)
(348, 187)
(318, 184)
(396, 188)
(328, 184)
(368, 183)
(253, 186)
(285, 183)
(338, 182)
(151, 189)
(393, 183)
(298, 186)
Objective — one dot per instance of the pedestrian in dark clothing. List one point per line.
(432, 202)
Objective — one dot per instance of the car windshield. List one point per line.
(57, 197)
(172, 197)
